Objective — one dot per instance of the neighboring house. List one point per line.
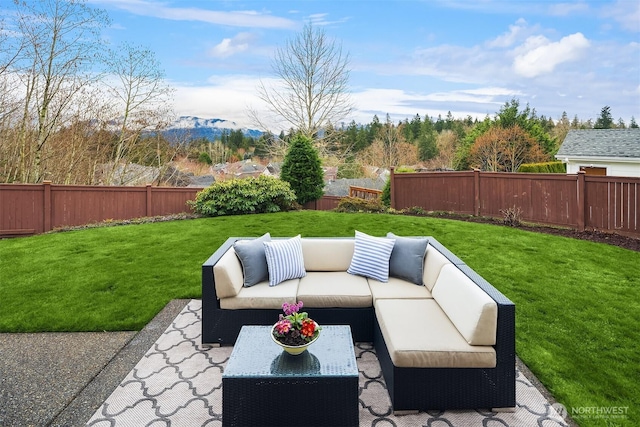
(612, 152)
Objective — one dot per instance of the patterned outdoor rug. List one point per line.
(179, 383)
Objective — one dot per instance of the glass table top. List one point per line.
(256, 355)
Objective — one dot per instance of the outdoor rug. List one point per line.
(179, 383)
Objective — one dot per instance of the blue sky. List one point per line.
(407, 57)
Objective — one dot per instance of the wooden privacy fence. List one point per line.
(605, 203)
(37, 208)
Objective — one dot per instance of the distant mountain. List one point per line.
(187, 128)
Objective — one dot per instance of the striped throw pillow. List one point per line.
(371, 256)
(284, 260)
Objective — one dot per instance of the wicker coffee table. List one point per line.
(262, 385)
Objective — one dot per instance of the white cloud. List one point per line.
(626, 13)
(539, 56)
(320, 19)
(232, 46)
(247, 18)
(484, 95)
(567, 9)
(511, 37)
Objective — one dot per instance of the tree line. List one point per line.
(75, 110)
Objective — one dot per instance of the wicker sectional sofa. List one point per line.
(445, 341)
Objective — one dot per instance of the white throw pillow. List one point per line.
(284, 260)
(371, 256)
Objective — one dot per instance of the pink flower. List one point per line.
(283, 326)
(289, 309)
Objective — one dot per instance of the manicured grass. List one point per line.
(578, 302)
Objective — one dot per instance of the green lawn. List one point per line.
(578, 302)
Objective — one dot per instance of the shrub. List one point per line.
(356, 204)
(416, 210)
(385, 197)
(243, 196)
(404, 169)
(547, 167)
(205, 158)
(512, 216)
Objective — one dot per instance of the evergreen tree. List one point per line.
(302, 169)
(427, 147)
(605, 121)
(374, 129)
(261, 148)
(633, 124)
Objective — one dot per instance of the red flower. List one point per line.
(308, 328)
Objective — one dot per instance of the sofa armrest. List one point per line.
(208, 283)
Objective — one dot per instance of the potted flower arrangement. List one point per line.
(294, 330)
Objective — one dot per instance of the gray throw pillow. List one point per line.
(407, 258)
(253, 260)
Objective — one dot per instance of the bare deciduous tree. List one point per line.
(390, 148)
(61, 39)
(142, 102)
(311, 86)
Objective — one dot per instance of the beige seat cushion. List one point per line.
(327, 254)
(433, 262)
(263, 296)
(227, 274)
(397, 288)
(438, 343)
(471, 310)
(334, 289)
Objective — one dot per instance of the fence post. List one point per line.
(392, 188)
(46, 207)
(149, 207)
(581, 199)
(476, 192)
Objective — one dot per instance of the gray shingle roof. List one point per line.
(601, 143)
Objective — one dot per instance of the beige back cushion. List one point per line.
(433, 262)
(227, 274)
(327, 254)
(469, 308)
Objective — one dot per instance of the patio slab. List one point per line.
(59, 379)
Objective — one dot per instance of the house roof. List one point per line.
(601, 143)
